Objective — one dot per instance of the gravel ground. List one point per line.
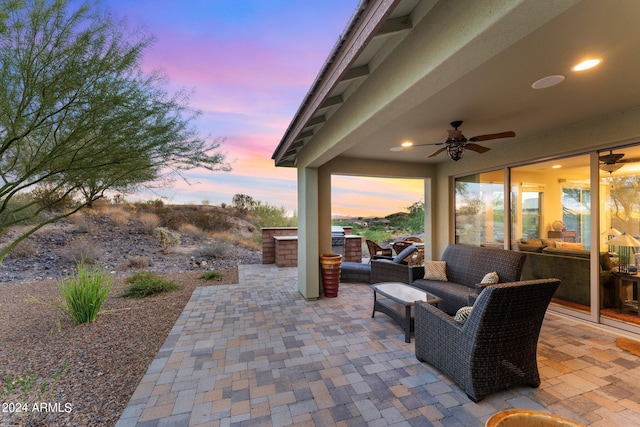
(102, 362)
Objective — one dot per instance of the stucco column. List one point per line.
(324, 210)
(428, 219)
(308, 247)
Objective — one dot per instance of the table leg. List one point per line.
(374, 304)
(407, 323)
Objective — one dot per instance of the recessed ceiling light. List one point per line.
(585, 65)
(556, 166)
(548, 81)
(406, 144)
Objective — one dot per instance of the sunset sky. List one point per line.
(248, 65)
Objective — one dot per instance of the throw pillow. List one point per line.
(435, 270)
(462, 314)
(490, 278)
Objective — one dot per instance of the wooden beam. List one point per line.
(330, 102)
(316, 121)
(303, 135)
(356, 72)
(297, 144)
(394, 25)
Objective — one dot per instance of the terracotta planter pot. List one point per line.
(330, 269)
(528, 418)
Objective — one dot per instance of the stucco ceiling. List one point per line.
(492, 92)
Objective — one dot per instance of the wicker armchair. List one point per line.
(496, 348)
(378, 252)
(400, 246)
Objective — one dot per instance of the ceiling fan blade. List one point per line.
(628, 160)
(438, 152)
(487, 137)
(424, 145)
(477, 148)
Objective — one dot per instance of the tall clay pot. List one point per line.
(330, 269)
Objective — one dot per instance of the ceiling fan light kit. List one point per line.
(612, 162)
(611, 167)
(455, 152)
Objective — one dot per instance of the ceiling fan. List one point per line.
(456, 143)
(612, 162)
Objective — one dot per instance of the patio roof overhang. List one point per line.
(404, 69)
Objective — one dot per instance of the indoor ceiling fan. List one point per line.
(612, 162)
(456, 143)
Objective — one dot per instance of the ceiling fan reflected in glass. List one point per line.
(612, 162)
(457, 143)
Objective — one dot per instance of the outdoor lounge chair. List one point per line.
(378, 252)
(495, 348)
(358, 272)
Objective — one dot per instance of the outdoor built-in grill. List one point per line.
(337, 240)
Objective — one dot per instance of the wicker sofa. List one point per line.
(465, 267)
(496, 347)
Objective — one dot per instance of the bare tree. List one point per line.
(78, 116)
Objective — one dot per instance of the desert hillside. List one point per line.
(123, 239)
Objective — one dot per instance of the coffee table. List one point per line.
(398, 303)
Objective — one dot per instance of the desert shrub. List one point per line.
(267, 215)
(243, 240)
(81, 250)
(377, 235)
(147, 283)
(193, 231)
(117, 216)
(210, 220)
(98, 207)
(167, 238)
(137, 262)
(156, 203)
(83, 295)
(243, 203)
(214, 249)
(149, 221)
(211, 275)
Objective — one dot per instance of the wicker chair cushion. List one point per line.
(462, 314)
(435, 270)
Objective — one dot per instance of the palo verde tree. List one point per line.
(78, 116)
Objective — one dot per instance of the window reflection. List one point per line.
(550, 218)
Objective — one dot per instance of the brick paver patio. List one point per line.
(258, 354)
